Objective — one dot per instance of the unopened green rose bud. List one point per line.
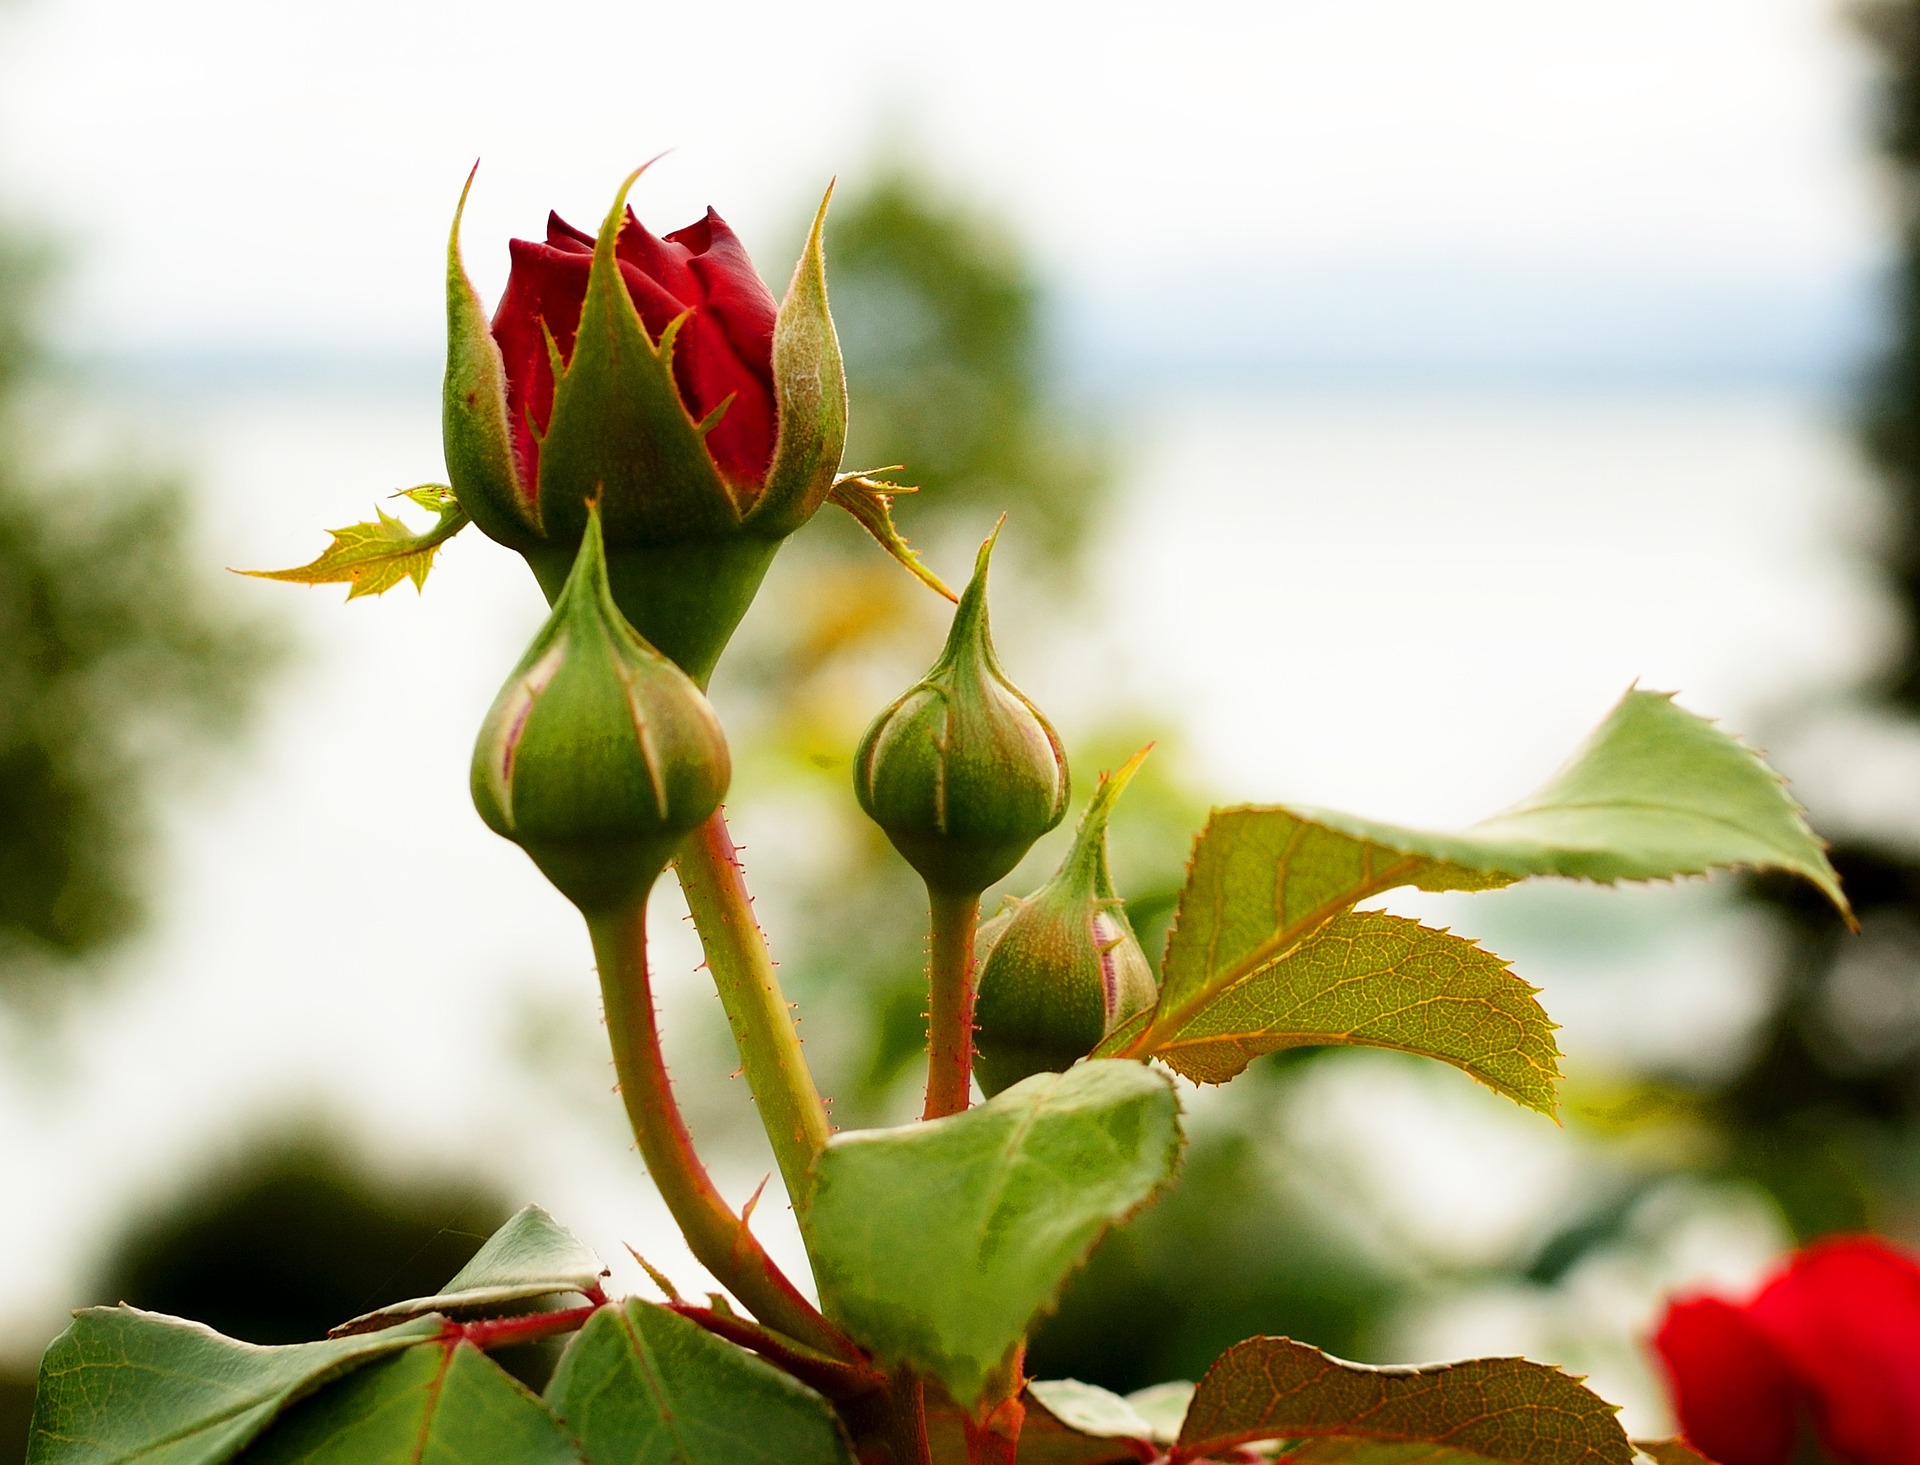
(1060, 969)
(599, 755)
(963, 773)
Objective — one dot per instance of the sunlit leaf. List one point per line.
(446, 1405)
(531, 1256)
(1486, 1411)
(641, 1385)
(121, 1384)
(1655, 792)
(938, 1244)
(370, 559)
(1374, 980)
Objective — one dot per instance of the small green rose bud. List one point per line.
(599, 755)
(1062, 968)
(963, 773)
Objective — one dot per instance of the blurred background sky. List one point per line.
(1455, 366)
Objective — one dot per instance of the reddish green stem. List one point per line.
(757, 1010)
(718, 1237)
(950, 1002)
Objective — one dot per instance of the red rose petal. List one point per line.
(1737, 1396)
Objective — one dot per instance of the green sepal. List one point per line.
(809, 393)
(962, 772)
(619, 430)
(1062, 968)
(870, 501)
(599, 755)
(473, 412)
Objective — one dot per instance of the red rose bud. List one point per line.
(1061, 969)
(657, 376)
(962, 772)
(1828, 1352)
(599, 755)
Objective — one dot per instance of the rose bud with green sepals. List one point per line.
(1062, 968)
(962, 772)
(600, 755)
(658, 376)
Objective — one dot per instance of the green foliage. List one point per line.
(1502, 1410)
(372, 558)
(122, 1384)
(1369, 979)
(810, 392)
(445, 1405)
(1265, 953)
(937, 1245)
(532, 1257)
(643, 1386)
(117, 666)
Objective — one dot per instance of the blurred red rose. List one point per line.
(1831, 1345)
(724, 349)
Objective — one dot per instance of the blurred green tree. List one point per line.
(118, 662)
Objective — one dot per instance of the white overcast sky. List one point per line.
(248, 174)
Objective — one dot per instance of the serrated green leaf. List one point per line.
(448, 1405)
(938, 1244)
(531, 1256)
(1374, 980)
(810, 393)
(870, 501)
(124, 1385)
(640, 1385)
(370, 559)
(473, 411)
(1486, 1411)
(1655, 792)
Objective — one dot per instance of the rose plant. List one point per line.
(644, 426)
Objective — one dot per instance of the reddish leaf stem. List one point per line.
(995, 1440)
(718, 1237)
(836, 1379)
(500, 1332)
(950, 1002)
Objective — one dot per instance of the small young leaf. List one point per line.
(122, 1384)
(1655, 792)
(1375, 980)
(370, 559)
(531, 1256)
(641, 1385)
(449, 1405)
(870, 501)
(1486, 1411)
(937, 1244)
